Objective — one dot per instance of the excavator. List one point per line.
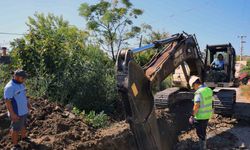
(136, 83)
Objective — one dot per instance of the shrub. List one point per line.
(96, 120)
(99, 120)
(76, 111)
(62, 67)
(38, 86)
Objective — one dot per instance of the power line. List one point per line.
(9, 33)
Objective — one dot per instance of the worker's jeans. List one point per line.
(201, 126)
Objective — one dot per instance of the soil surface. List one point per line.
(51, 126)
(222, 133)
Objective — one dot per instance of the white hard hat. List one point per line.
(192, 80)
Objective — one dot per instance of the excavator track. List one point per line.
(224, 101)
(171, 96)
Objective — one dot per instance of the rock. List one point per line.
(69, 107)
(66, 113)
(71, 116)
(46, 138)
(59, 109)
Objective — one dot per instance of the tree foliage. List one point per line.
(62, 66)
(111, 23)
(154, 36)
(143, 58)
(150, 36)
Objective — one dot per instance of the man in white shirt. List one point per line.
(218, 63)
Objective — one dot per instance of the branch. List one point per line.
(120, 23)
(104, 48)
(101, 24)
(120, 37)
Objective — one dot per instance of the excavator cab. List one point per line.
(221, 77)
(220, 65)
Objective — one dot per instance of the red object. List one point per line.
(243, 75)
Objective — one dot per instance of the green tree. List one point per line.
(62, 66)
(48, 44)
(150, 36)
(155, 35)
(111, 23)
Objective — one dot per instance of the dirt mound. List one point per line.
(51, 126)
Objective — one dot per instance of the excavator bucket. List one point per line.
(143, 121)
(141, 96)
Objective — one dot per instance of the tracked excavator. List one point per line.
(135, 84)
(221, 80)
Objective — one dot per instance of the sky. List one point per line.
(212, 21)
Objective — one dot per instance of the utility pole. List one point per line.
(241, 45)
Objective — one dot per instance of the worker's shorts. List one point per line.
(19, 124)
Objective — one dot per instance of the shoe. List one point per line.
(16, 147)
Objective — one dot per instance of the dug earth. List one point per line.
(52, 126)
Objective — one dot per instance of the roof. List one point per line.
(220, 47)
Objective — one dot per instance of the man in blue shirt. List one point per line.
(218, 63)
(18, 106)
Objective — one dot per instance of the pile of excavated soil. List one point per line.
(51, 126)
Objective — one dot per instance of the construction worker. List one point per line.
(202, 109)
(18, 106)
